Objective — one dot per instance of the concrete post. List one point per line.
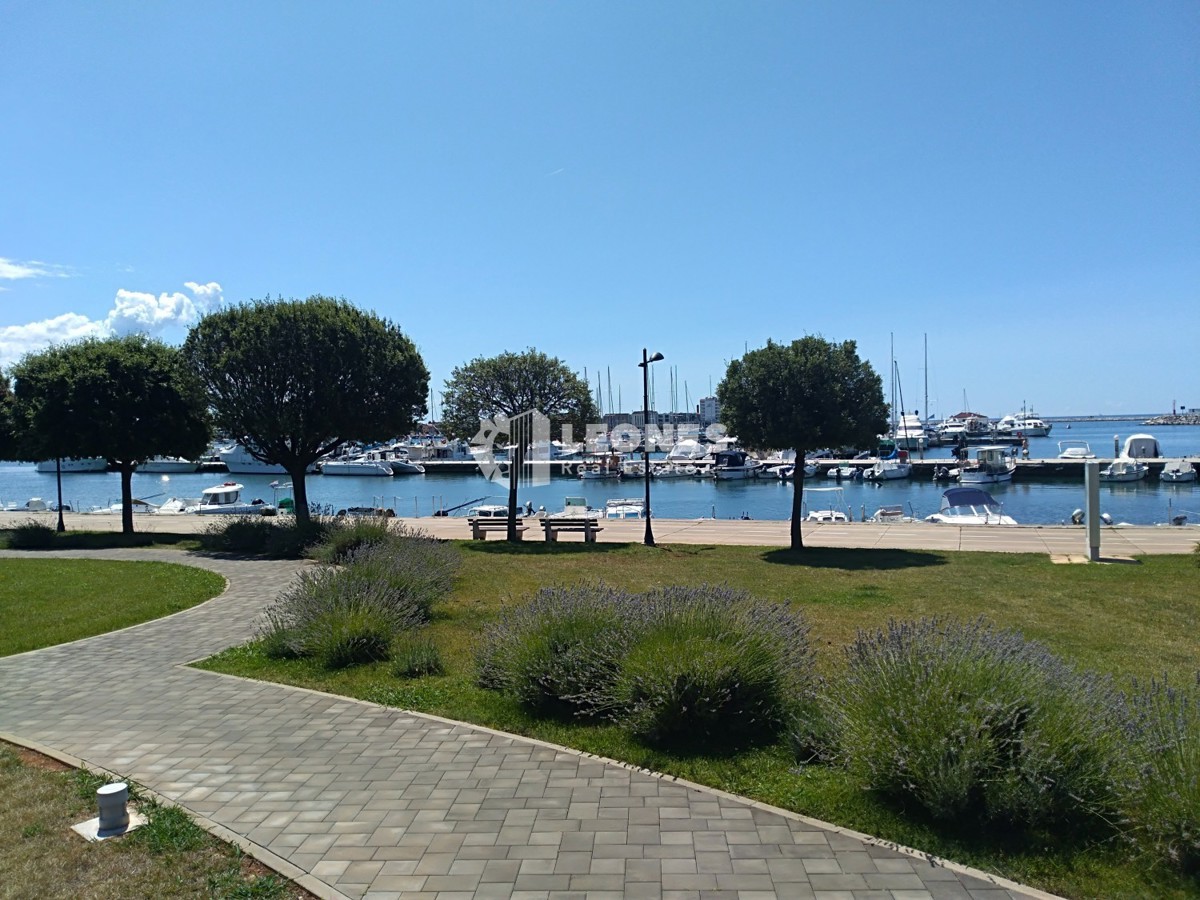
(114, 814)
(1091, 505)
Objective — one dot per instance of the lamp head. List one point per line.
(654, 357)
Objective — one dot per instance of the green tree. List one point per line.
(800, 396)
(7, 435)
(124, 398)
(510, 384)
(294, 380)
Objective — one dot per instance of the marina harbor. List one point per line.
(1045, 488)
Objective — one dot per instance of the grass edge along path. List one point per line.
(50, 601)
(862, 587)
(177, 855)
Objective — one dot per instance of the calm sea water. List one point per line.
(1143, 503)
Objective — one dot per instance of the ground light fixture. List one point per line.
(644, 365)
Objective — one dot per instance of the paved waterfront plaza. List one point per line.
(357, 800)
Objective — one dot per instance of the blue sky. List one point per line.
(1019, 181)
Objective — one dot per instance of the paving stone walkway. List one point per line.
(357, 800)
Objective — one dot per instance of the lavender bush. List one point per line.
(351, 614)
(972, 721)
(345, 535)
(676, 665)
(713, 666)
(1163, 803)
(558, 653)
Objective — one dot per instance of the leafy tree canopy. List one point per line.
(295, 379)
(7, 436)
(124, 398)
(800, 396)
(510, 384)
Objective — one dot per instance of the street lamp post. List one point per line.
(645, 367)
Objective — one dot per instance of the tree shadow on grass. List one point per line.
(538, 548)
(853, 559)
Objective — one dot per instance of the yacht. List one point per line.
(735, 465)
(238, 461)
(167, 465)
(992, 465)
(1026, 425)
(970, 506)
(910, 433)
(74, 464)
(357, 465)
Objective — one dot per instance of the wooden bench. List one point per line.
(480, 527)
(589, 526)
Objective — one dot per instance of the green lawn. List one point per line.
(51, 601)
(1125, 620)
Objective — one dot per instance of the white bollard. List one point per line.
(114, 814)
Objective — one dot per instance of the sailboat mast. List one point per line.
(927, 376)
(892, 336)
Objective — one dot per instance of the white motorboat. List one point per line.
(1177, 471)
(489, 511)
(844, 473)
(687, 451)
(177, 506)
(1025, 425)
(970, 506)
(627, 508)
(238, 461)
(397, 458)
(576, 508)
(891, 515)
(167, 465)
(910, 433)
(74, 464)
(33, 504)
(1141, 446)
(833, 502)
(1075, 450)
(735, 465)
(1123, 469)
(357, 465)
(139, 506)
(226, 500)
(992, 465)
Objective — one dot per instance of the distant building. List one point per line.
(639, 418)
(612, 420)
(708, 411)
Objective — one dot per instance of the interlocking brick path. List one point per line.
(357, 800)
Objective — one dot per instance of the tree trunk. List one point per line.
(300, 495)
(798, 500)
(126, 497)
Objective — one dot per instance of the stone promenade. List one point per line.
(356, 800)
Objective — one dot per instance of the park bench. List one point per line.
(481, 526)
(552, 525)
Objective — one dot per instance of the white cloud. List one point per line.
(12, 270)
(17, 340)
(132, 312)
